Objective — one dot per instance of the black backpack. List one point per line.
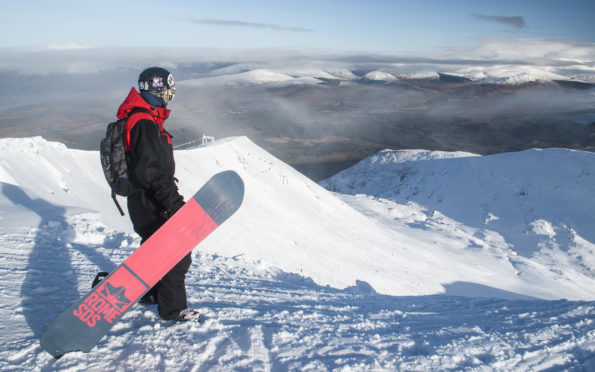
(113, 159)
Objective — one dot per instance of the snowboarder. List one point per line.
(151, 168)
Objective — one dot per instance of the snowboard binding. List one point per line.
(98, 278)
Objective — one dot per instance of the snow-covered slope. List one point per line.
(302, 278)
(501, 222)
(51, 172)
(534, 209)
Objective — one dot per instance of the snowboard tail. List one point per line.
(83, 325)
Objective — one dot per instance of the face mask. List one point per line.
(152, 99)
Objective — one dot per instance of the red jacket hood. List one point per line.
(134, 99)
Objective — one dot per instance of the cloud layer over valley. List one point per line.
(318, 107)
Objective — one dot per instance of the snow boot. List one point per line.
(148, 299)
(151, 297)
(188, 315)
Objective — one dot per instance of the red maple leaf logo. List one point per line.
(116, 296)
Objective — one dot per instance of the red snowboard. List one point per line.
(83, 325)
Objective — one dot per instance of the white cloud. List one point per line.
(564, 57)
(236, 23)
(530, 51)
(66, 46)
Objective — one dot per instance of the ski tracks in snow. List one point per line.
(257, 318)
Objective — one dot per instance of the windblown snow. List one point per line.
(410, 260)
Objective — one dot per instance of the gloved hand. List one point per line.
(177, 204)
(166, 193)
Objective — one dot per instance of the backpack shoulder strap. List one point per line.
(138, 114)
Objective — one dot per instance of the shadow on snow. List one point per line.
(51, 281)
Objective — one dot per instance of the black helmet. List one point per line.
(158, 81)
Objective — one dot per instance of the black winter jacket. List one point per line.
(151, 166)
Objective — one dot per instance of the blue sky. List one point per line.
(373, 25)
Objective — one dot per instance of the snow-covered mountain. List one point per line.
(380, 76)
(263, 74)
(305, 278)
(252, 77)
(534, 208)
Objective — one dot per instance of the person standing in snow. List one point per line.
(151, 168)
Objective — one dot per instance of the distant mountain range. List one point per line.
(257, 75)
(322, 116)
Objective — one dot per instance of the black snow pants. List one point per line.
(170, 291)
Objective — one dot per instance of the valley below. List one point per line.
(323, 128)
